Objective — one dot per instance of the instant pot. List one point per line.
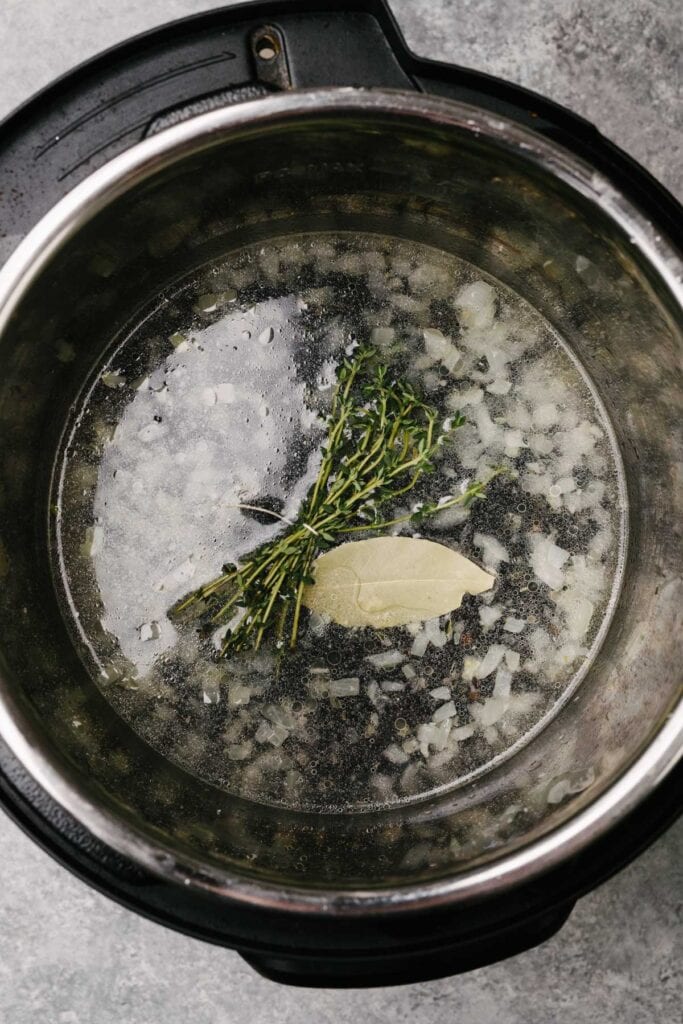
(264, 120)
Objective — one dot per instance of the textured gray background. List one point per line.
(67, 955)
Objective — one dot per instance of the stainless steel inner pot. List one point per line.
(427, 170)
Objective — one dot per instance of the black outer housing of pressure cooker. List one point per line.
(48, 146)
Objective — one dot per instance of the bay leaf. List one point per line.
(391, 581)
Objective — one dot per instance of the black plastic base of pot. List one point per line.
(348, 953)
(46, 148)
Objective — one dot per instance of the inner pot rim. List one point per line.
(139, 164)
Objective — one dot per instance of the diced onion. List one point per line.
(239, 751)
(503, 683)
(545, 415)
(547, 560)
(382, 336)
(463, 732)
(386, 660)
(488, 431)
(278, 715)
(488, 615)
(436, 636)
(578, 612)
(493, 552)
(392, 686)
(477, 304)
(513, 625)
(490, 712)
(395, 755)
(349, 687)
(437, 761)
(461, 399)
(431, 734)
(444, 711)
(374, 696)
(499, 386)
(512, 660)
(469, 668)
(440, 349)
(269, 733)
(420, 645)
(491, 661)
(238, 695)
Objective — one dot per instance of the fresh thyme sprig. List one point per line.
(381, 440)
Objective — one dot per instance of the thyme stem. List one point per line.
(381, 439)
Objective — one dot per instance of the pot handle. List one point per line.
(368, 970)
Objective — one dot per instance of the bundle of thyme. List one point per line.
(381, 439)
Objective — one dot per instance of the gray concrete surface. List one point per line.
(69, 956)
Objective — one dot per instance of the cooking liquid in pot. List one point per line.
(217, 399)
